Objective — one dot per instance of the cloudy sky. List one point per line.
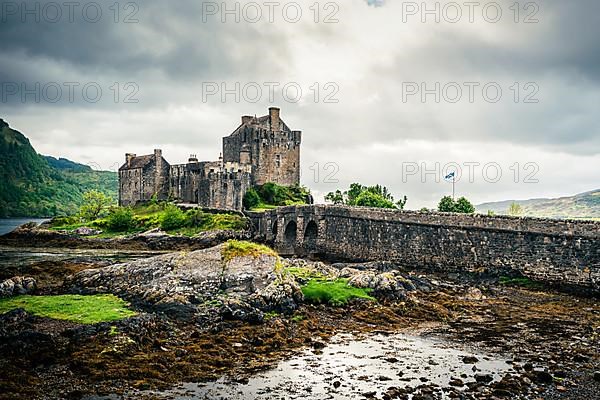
(386, 92)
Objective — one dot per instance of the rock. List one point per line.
(597, 376)
(388, 286)
(470, 360)
(484, 378)
(85, 231)
(474, 293)
(456, 382)
(337, 384)
(197, 285)
(542, 377)
(17, 285)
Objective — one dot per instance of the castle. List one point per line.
(260, 150)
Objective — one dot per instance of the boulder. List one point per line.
(17, 285)
(197, 285)
(388, 285)
(85, 231)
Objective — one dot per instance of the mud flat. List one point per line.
(206, 328)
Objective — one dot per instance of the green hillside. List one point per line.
(581, 206)
(32, 185)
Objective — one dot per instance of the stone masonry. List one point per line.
(561, 252)
(260, 150)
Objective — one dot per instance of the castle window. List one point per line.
(278, 160)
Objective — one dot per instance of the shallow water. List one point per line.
(8, 225)
(349, 367)
(28, 256)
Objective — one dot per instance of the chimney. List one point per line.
(274, 116)
(246, 119)
(128, 158)
(158, 159)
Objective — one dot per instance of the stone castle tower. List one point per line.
(262, 149)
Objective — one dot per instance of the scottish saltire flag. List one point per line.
(450, 176)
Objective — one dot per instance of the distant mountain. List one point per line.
(64, 164)
(584, 205)
(32, 185)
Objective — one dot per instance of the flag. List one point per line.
(450, 176)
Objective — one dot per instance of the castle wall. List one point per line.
(278, 158)
(141, 184)
(130, 184)
(275, 156)
(554, 251)
(270, 153)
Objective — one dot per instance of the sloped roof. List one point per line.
(138, 162)
(264, 120)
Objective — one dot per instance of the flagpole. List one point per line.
(453, 180)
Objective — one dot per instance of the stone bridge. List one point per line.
(563, 252)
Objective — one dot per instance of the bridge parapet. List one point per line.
(561, 251)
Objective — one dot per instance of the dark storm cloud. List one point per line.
(171, 51)
(171, 47)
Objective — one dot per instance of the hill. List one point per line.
(32, 185)
(581, 206)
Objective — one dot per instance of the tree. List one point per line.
(371, 199)
(94, 203)
(366, 196)
(402, 203)
(446, 204)
(515, 209)
(336, 197)
(352, 194)
(464, 206)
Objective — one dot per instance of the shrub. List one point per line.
(120, 220)
(172, 218)
(251, 199)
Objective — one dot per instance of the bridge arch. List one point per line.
(289, 235)
(311, 234)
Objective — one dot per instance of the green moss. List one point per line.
(241, 248)
(335, 293)
(270, 315)
(298, 318)
(75, 308)
(305, 274)
(519, 281)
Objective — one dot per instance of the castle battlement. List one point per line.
(260, 150)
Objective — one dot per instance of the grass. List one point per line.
(242, 248)
(334, 293)
(74, 308)
(153, 215)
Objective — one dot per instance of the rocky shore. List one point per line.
(205, 315)
(33, 235)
